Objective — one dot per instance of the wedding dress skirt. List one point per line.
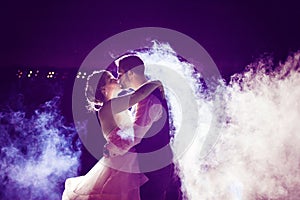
(106, 183)
(113, 178)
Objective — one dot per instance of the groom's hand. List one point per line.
(111, 150)
(105, 151)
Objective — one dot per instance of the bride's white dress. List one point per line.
(110, 178)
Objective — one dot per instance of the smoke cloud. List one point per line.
(257, 155)
(39, 151)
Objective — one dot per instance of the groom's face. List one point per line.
(123, 79)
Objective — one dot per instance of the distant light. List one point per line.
(84, 73)
(77, 76)
(83, 77)
(50, 73)
(28, 75)
(19, 72)
(30, 72)
(79, 73)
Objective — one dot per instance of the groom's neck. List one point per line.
(139, 80)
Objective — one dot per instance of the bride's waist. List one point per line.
(127, 162)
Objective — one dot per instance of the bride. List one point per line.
(112, 178)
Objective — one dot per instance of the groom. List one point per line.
(154, 152)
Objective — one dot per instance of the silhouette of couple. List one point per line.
(138, 160)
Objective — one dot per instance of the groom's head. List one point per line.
(131, 72)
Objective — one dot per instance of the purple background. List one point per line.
(61, 34)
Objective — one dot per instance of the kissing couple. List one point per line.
(137, 162)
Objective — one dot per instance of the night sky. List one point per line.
(62, 33)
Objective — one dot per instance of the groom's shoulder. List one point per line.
(155, 97)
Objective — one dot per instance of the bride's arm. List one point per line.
(122, 103)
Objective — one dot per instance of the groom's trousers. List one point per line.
(161, 185)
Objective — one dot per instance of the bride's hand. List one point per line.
(161, 88)
(156, 82)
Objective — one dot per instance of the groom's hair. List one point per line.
(133, 63)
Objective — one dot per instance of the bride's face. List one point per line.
(112, 87)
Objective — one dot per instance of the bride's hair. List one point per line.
(93, 93)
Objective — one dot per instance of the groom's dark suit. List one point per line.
(154, 152)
